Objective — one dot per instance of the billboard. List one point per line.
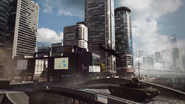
(61, 63)
(22, 64)
(94, 69)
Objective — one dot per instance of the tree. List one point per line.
(102, 66)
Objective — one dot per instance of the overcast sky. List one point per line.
(152, 21)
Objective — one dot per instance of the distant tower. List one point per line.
(123, 37)
(21, 37)
(76, 35)
(3, 20)
(157, 56)
(177, 59)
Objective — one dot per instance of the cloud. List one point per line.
(66, 7)
(48, 9)
(149, 9)
(144, 24)
(145, 28)
(46, 35)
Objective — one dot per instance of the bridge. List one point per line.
(77, 93)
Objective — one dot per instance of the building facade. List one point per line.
(4, 5)
(76, 35)
(99, 18)
(22, 27)
(123, 37)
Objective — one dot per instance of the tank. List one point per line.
(134, 90)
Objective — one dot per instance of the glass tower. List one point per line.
(3, 20)
(123, 37)
(99, 18)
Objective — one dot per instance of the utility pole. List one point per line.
(138, 69)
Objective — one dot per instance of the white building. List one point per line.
(76, 35)
(22, 27)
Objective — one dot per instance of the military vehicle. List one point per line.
(134, 90)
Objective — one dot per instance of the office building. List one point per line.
(157, 57)
(3, 20)
(99, 18)
(123, 37)
(43, 49)
(22, 28)
(177, 60)
(76, 35)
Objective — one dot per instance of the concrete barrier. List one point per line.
(12, 97)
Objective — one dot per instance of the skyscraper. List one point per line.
(177, 59)
(3, 20)
(123, 37)
(76, 35)
(22, 28)
(99, 18)
(157, 56)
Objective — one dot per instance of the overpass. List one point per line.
(83, 96)
(75, 91)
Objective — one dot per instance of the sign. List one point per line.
(61, 63)
(94, 68)
(22, 64)
(61, 49)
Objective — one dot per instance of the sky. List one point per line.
(152, 22)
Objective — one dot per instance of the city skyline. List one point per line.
(158, 24)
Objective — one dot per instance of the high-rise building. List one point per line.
(157, 56)
(123, 37)
(3, 20)
(22, 28)
(148, 62)
(99, 18)
(177, 59)
(76, 35)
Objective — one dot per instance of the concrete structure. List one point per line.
(3, 20)
(76, 35)
(99, 18)
(43, 49)
(177, 60)
(123, 37)
(22, 28)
